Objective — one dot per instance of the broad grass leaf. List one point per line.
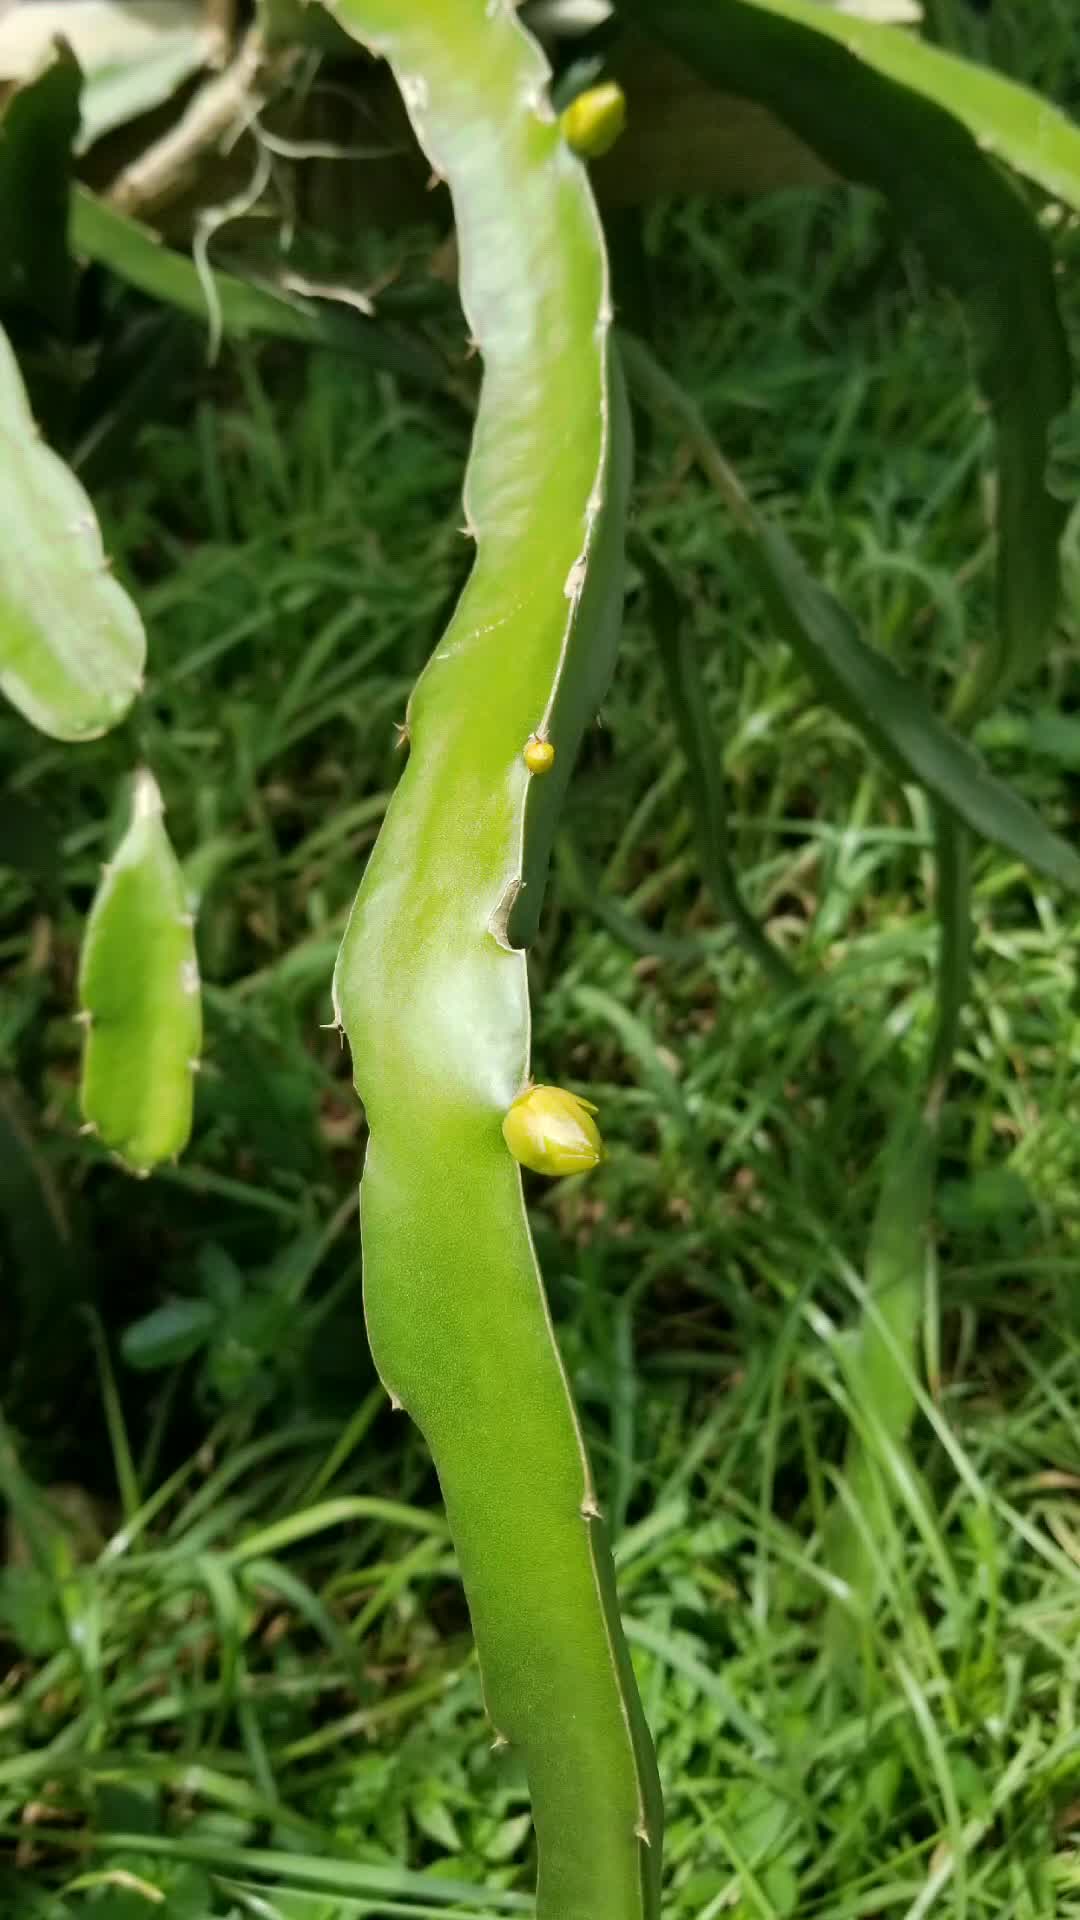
(872, 102)
(234, 306)
(890, 711)
(895, 716)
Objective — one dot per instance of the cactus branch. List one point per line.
(431, 983)
(139, 995)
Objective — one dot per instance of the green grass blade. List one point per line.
(127, 1479)
(37, 129)
(136, 254)
(686, 691)
(332, 1513)
(46, 1260)
(953, 903)
(311, 1870)
(431, 992)
(879, 1379)
(888, 130)
(895, 716)
(862, 684)
(72, 646)
(139, 995)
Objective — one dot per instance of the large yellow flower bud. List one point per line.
(592, 123)
(553, 1131)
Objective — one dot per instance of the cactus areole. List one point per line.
(431, 985)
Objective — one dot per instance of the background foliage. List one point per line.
(259, 1697)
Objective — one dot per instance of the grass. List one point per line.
(240, 1676)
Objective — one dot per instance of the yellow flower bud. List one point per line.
(539, 755)
(553, 1132)
(592, 123)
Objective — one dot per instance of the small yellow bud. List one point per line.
(592, 123)
(553, 1132)
(539, 755)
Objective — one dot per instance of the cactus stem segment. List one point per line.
(432, 975)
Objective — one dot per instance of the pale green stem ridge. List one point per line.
(431, 992)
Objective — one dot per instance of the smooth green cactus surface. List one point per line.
(431, 983)
(139, 995)
(71, 642)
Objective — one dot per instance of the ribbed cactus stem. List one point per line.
(431, 982)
